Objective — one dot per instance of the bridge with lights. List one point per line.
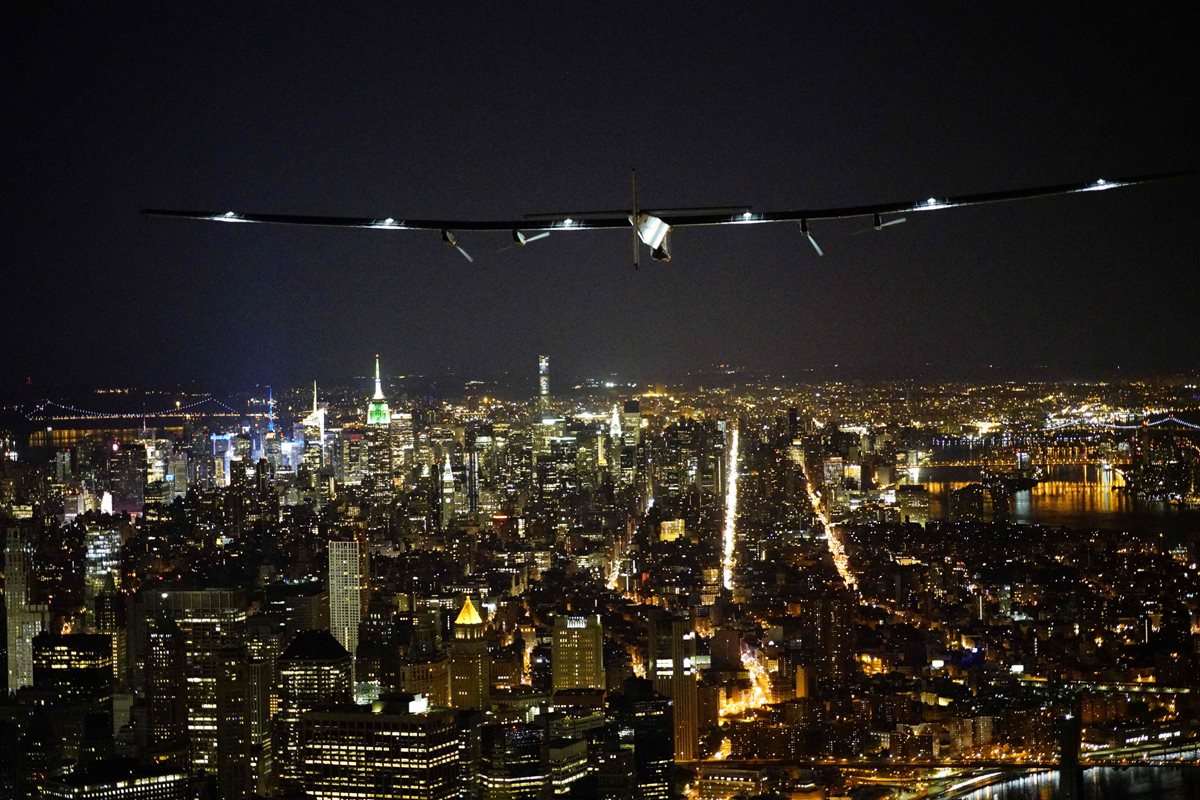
(208, 406)
(56, 424)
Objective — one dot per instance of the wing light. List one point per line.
(1101, 185)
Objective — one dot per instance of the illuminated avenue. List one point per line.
(601, 590)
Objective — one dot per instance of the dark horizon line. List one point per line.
(725, 376)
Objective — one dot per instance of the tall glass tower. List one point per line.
(347, 581)
(25, 620)
(544, 376)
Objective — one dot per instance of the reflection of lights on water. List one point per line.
(731, 499)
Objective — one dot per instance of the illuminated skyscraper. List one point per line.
(826, 623)
(469, 660)
(400, 435)
(127, 477)
(631, 423)
(472, 470)
(270, 410)
(165, 680)
(448, 494)
(631, 437)
(913, 503)
(102, 562)
(577, 653)
(72, 680)
(615, 444)
(109, 617)
(397, 748)
(427, 675)
(513, 762)
(544, 385)
(425, 668)
(314, 672)
(645, 725)
(208, 622)
(76, 665)
(244, 763)
(347, 585)
(25, 620)
(672, 667)
(313, 426)
(378, 474)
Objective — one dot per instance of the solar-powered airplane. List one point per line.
(652, 227)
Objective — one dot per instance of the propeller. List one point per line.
(450, 239)
(804, 229)
(878, 224)
(520, 240)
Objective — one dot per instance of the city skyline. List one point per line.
(605, 592)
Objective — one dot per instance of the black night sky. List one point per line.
(491, 110)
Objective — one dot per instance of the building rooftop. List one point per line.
(468, 615)
(111, 770)
(315, 646)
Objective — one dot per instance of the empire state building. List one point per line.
(378, 475)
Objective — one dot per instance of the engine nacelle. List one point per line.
(663, 251)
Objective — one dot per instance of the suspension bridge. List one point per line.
(208, 406)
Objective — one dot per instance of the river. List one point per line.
(1102, 783)
(1075, 497)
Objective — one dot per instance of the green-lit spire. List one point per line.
(377, 410)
